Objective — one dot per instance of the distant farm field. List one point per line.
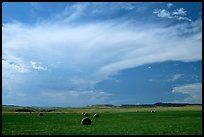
(111, 121)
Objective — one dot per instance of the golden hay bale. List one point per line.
(86, 114)
(86, 121)
(96, 115)
(153, 111)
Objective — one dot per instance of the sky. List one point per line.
(75, 54)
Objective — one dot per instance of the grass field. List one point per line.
(112, 121)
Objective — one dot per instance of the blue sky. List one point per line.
(73, 54)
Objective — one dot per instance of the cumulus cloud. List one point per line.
(162, 13)
(179, 14)
(179, 11)
(194, 92)
(38, 67)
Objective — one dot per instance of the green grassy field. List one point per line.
(112, 121)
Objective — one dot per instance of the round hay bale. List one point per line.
(86, 114)
(86, 121)
(96, 115)
(153, 111)
(41, 114)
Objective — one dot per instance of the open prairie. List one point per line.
(185, 120)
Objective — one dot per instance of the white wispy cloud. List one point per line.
(169, 5)
(14, 64)
(38, 67)
(182, 18)
(95, 11)
(169, 79)
(176, 76)
(194, 92)
(179, 11)
(163, 13)
(179, 14)
(99, 49)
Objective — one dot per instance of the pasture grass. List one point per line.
(111, 121)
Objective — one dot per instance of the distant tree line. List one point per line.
(160, 104)
(49, 110)
(30, 110)
(24, 110)
(149, 105)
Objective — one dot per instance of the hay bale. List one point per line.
(41, 114)
(86, 121)
(86, 114)
(153, 111)
(96, 115)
